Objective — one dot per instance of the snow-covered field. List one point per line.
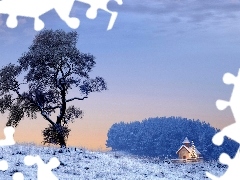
(81, 164)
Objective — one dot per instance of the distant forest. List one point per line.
(163, 136)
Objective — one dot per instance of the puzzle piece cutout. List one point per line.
(8, 141)
(36, 8)
(231, 131)
(101, 4)
(18, 176)
(8, 132)
(3, 165)
(232, 172)
(44, 170)
(228, 79)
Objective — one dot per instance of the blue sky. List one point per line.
(162, 58)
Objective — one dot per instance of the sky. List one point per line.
(162, 58)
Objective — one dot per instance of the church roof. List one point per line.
(183, 146)
(189, 149)
(197, 151)
(186, 140)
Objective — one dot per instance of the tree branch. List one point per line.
(55, 107)
(39, 107)
(69, 71)
(22, 83)
(76, 98)
(47, 118)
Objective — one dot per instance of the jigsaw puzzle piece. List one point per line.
(53, 163)
(44, 170)
(231, 131)
(232, 172)
(8, 132)
(12, 21)
(18, 176)
(221, 104)
(63, 8)
(211, 176)
(35, 8)
(5, 8)
(95, 5)
(3, 165)
(229, 78)
(8, 141)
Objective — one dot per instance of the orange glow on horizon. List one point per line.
(91, 131)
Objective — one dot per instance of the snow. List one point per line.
(82, 164)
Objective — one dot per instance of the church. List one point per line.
(188, 151)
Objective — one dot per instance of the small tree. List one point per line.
(193, 154)
(53, 65)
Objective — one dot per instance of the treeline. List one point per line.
(163, 136)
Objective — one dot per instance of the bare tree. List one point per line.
(53, 65)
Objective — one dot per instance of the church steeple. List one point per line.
(186, 142)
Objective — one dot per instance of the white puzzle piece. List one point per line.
(8, 141)
(232, 172)
(102, 5)
(8, 132)
(36, 8)
(232, 131)
(44, 170)
(3, 165)
(18, 176)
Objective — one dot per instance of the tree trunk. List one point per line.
(62, 141)
(60, 135)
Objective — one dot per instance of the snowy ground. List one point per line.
(81, 164)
